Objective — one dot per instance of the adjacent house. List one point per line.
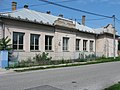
(33, 32)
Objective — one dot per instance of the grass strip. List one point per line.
(67, 65)
(114, 87)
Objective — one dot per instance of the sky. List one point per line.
(103, 7)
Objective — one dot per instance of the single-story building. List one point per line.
(33, 32)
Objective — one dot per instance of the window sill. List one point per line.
(66, 51)
(35, 51)
(78, 51)
(91, 51)
(85, 51)
(19, 50)
(49, 51)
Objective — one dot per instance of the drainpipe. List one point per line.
(95, 45)
(3, 28)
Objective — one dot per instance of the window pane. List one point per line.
(77, 44)
(34, 43)
(84, 45)
(50, 47)
(31, 47)
(20, 46)
(46, 47)
(50, 40)
(36, 48)
(14, 46)
(21, 38)
(36, 40)
(46, 40)
(31, 39)
(18, 40)
(14, 38)
(91, 45)
(65, 43)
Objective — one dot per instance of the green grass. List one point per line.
(114, 87)
(68, 65)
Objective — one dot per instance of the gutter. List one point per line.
(3, 27)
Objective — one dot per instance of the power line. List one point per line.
(94, 19)
(75, 9)
(117, 19)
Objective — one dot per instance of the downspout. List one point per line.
(95, 45)
(3, 28)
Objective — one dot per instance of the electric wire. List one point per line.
(79, 10)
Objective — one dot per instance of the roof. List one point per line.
(35, 16)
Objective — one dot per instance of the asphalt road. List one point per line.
(88, 77)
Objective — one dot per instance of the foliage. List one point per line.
(43, 57)
(114, 87)
(83, 57)
(4, 44)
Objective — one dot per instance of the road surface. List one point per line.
(87, 77)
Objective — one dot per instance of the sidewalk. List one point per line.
(5, 71)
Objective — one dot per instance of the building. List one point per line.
(33, 32)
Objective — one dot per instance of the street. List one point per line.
(87, 77)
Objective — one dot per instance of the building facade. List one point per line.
(33, 32)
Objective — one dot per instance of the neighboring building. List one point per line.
(105, 41)
(33, 32)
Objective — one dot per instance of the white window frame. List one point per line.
(77, 46)
(65, 44)
(48, 43)
(18, 43)
(85, 45)
(34, 36)
(91, 45)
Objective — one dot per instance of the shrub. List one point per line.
(44, 57)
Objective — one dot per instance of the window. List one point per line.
(91, 45)
(48, 42)
(77, 44)
(18, 40)
(34, 42)
(65, 43)
(84, 45)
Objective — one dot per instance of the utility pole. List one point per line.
(114, 33)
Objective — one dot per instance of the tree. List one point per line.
(4, 44)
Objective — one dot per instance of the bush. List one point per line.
(44, 57)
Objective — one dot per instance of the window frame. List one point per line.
(65, 46)
(34, 42)
(17, 44)
(48, 43)
(77, 45)
(85, 45)
(91, 47)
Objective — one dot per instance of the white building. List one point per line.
(33, 32)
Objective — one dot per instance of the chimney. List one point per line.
(14, 6)
(48, 12)
(60, 15)
(83, 20)
(26, 6)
